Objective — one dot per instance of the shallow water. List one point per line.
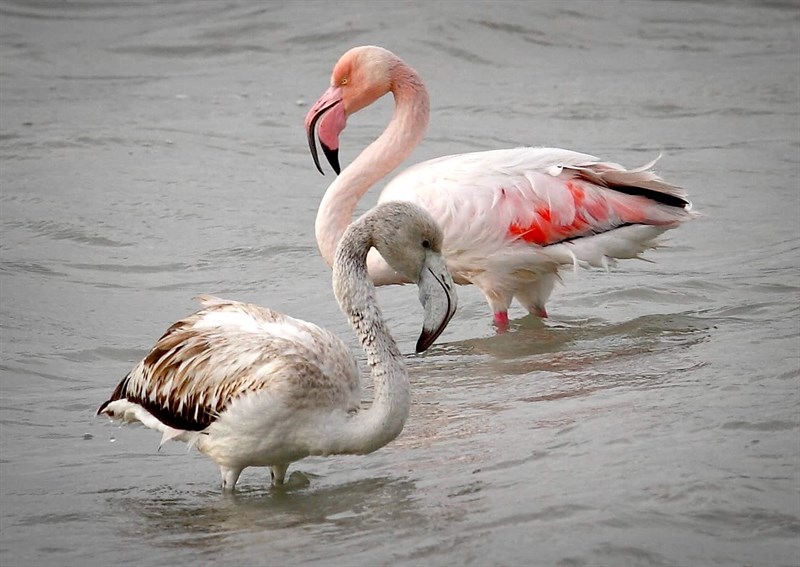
(151, 152)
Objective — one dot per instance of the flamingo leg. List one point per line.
(498, 298)
(229, 477)
(278, 473)
(501, 320)
(533, 296)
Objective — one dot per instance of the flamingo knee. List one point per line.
(229, 477)
(501, 320)
(278, 474)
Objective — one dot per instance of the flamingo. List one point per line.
(511, 218)
(252, 387)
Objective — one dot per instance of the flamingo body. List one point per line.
(511, 217)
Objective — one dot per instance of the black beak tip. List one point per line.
(426, 339)
(333, 158)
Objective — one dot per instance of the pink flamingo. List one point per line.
(511, 218)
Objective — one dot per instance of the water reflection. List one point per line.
(463, 388)
(562, 345)
(209, 518)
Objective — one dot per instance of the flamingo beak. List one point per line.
(327, 118)
(437, 294)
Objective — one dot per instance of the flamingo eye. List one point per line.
(426, 243)
(343, 81)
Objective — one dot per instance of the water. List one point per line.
(154, 151)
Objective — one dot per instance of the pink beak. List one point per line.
(329, 112)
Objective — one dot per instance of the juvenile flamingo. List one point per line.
(250, 387)
(511, 218)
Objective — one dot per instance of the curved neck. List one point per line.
(373, 428)
(395, 144)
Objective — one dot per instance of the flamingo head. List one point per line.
(410, 241)
(360, 77)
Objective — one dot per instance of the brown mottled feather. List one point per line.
(196, 369)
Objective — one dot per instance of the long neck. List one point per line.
(373, 428)
(395, 144)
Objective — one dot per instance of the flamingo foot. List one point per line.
(541, 312)
(501, 321)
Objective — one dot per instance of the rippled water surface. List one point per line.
(153, 151)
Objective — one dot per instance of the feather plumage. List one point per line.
(204, 362)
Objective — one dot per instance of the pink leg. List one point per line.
(501, 320)
(534, 296)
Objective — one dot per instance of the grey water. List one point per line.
(152, 151)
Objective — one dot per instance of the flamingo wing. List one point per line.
(513, 204)
(228, 350)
